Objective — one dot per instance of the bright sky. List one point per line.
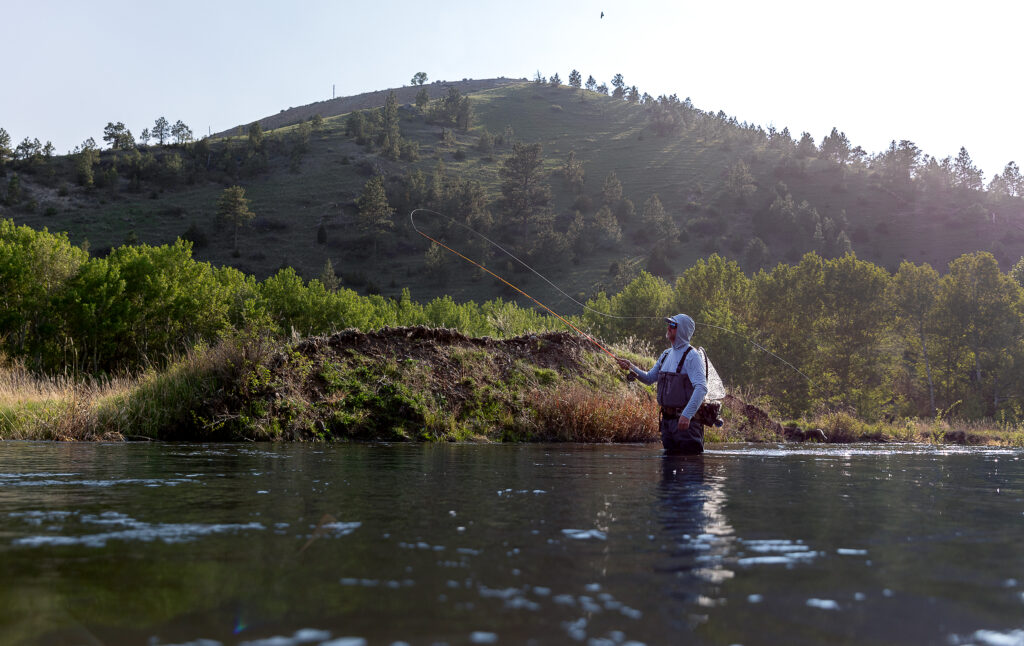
(943, 75)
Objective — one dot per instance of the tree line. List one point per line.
(909, 343)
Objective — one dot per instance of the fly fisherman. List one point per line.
(682, 385)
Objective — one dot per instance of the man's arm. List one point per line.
(647, 377)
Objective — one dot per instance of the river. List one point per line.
(548, 544)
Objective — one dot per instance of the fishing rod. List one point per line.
(412, 222)
(470, 260)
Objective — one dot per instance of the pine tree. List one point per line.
(965, 173)
(374, 211)
(422, 98)
(328, 278)
(620, 86)
(161, 130)
(611, 190)
(591, 83)
(522, 185)
(575, 79)
(606, 227)
(233, 208)
(573, 172)
(181, 133)
(6, 153)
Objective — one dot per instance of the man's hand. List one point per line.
(684, 423)
(623, 363)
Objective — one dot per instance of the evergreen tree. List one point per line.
(657, 221)
(573, 172)
(602, 89)
(13, 190)
(591, 83)
(118, 136)
(485, 144)
(556, 80)
(374, 211)
(523, 188)
(389, 138)
(611, 190)
(256, 135)
(836, 147)
(233, 209)
(181, 133)
(86, 157)
(422, 98)
(144, 136)
(6, 154)
(965, 173)
(620, 86)
(328, 278)
(806, 147)
(606, 228)
(740, 182)
(419, 78)
(161, 130)
(1011, 175)
(435, 261)
(575, 80)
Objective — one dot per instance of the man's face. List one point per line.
(670, 333)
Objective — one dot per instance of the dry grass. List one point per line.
(58, 408)
(572, 412)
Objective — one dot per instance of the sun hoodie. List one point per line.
(693, 366)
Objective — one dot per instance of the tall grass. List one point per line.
(55, 408)
(575, 413)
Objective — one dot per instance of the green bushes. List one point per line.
(855, 336)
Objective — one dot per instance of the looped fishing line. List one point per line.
(412, 222)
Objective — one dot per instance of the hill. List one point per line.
(726, 186)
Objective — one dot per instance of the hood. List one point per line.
(684, 329)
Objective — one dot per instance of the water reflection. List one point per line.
(691, 502)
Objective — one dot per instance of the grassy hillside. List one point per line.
(688, 169)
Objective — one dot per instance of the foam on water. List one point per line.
(129, 529)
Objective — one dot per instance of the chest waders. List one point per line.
(674, 392)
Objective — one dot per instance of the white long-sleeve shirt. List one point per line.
(693, 367)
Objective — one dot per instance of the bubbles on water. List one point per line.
(585, 534)
(844, 551)
(130, 529)
(779, 552)
(991, 638)
(823, 604)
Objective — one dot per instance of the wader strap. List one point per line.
(679, 368)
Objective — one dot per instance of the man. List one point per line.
(682, 386)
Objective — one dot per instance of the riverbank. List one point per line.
(402, 384)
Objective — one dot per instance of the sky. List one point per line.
(943, 75)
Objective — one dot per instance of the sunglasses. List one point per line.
(673, 325)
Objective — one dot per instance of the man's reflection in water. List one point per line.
(697, 536)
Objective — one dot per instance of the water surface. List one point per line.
(547, 544)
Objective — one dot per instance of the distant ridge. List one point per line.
(345, 104)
